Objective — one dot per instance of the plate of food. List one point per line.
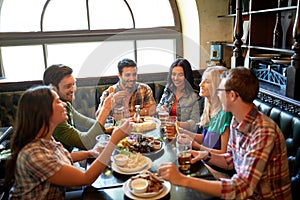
(144, 144)
(157, 188)
(146, 124)
(135, 164)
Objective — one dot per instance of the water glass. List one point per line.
(184, 156)
(118, 113)
(102, 141)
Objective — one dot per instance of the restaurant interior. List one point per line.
(231, 33)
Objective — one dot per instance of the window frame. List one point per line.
(63, 37)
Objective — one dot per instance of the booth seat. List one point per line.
(8, 107)
(288, 123)
(290, 127)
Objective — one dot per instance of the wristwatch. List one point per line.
(208, 156)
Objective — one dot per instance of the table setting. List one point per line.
(138, 156)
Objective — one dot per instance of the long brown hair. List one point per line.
(33, 114)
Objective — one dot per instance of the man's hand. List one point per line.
(122, 97)
(198, 155)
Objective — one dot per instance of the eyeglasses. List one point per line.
(222, 89)
(226, 90)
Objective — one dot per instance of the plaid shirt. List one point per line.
(36, 162)
(259, 156)
(142, 96)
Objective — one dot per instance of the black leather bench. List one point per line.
(290, 127)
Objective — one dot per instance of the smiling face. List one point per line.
(66, 88)
(206, 86)
(178, 77)
(59, 110)
(128, 78)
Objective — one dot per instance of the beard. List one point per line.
(129, 86)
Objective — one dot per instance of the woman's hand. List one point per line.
(122, 131)
(162, 108)
(93, 153)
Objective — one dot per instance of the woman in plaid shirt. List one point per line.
(40, 167)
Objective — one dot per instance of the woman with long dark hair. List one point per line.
(40, 167)
(180, 97)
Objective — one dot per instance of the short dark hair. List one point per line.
(243, 81)
(126, 62)
(55, 73)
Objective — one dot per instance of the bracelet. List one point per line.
(208, 157)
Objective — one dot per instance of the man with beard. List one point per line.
(129, 93)
(78, 131)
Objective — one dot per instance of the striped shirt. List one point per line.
(259, 156)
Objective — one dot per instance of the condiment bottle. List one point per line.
(137, 115)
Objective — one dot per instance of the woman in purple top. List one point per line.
(214, 123)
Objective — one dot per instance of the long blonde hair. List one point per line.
(215, 104)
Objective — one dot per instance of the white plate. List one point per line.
(147, 118)
(166, 190)
(126, 171)
(137, 168)
(145, 194)
(162, 146)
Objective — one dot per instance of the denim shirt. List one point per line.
(187, 109)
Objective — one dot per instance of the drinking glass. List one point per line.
(184, 156)
(170, 129)
(118, 113)
(102, 141)
(163, 116)
(110, 122)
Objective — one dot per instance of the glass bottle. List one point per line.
(138, 116)
(277, 32)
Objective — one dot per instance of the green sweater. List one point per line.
(78, 131)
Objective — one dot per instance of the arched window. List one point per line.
(90, 36)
